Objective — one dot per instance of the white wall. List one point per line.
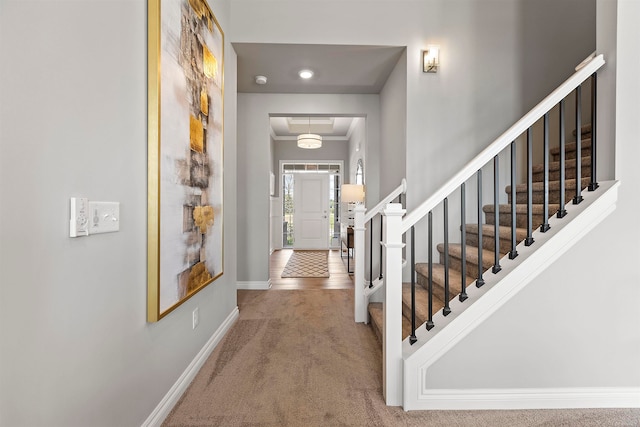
(577, 324)
(253, 163)
(76, 348)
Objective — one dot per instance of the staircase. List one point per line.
(507, 242)
(488, 233)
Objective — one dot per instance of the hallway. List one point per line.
(338, 277)
(297, 358)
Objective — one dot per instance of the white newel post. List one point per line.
(360, 302)
(392, 335)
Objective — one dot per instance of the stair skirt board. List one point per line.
(534, 398)
(515, 274)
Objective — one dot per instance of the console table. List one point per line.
(346, 241)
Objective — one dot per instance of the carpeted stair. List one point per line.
(488, 235)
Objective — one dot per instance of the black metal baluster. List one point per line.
(529, 240)
(562, 212)
(446, 310)
(545, 210)
(593, 185)
(463, 238)
(480, 280)
(371, 253)
(514, 252)
(381, 238)
(412, 338)
(430, 324)
(578, 198)
(496, 226)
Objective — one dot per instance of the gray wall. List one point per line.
(393, 128)
(76, 348)
(253, 160)
(358, 151)
(575, 325)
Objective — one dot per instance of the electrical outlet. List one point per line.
(196, 318)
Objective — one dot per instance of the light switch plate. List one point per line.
(79, 221)
(104, 217)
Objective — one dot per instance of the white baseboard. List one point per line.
(552, 398)
(173, 395)
(255, 286)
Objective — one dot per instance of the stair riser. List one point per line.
(377, 329)
(521, 219)
(406, 312)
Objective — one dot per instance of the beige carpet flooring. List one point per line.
(307, 264)
(296, 358)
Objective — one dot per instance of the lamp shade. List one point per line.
(309, 140)
(352, 193)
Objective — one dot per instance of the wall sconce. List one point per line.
(352, 193)
(431, 59)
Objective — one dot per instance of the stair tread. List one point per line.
(555, 165)
(455, 250)
(585, 145)
(521, 208)
(586, 128)
(455, 276)
(422, 302)
(570, 184)
(503, 231)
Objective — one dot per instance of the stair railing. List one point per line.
(364, 220)
(513, 220)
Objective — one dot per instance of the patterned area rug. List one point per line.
(307, 264)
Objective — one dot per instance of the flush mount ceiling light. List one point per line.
(305, 74)
(309, 140)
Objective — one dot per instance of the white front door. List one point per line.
(311, 217)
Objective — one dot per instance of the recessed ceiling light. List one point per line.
(305, 74)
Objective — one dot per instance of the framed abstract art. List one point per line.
(185, 152)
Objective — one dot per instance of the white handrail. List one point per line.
(503, 141)
(401, 189)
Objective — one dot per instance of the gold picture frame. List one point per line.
(185, 152)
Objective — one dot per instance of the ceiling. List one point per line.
(330, 128)
(338, 69)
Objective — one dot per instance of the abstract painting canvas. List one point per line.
(185, 152)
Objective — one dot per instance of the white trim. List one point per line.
(502, 142)
(401, 189)
(167, 403)
(534, 398)
(255, 285)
